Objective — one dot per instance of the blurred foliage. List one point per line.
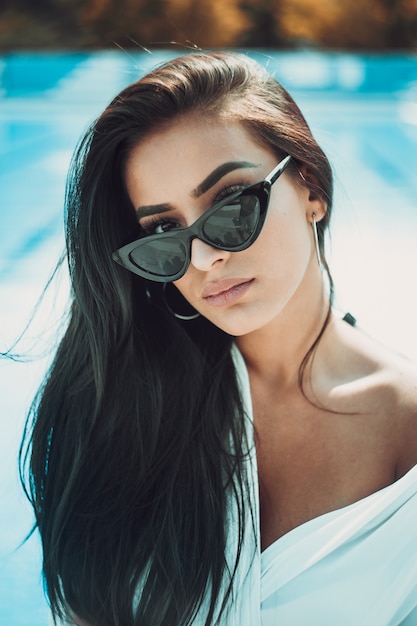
(86, 24)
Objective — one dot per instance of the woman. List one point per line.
(201, 331)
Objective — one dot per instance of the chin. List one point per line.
(237, 329)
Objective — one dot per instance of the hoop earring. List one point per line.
(179, 316)
(316, 240)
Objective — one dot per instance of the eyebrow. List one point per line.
(218, 173)
(202, 188)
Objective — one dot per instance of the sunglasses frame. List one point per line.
(261, 190)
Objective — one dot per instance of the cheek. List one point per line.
(284, 243)
(183, 286)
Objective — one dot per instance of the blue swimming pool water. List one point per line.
(362, 109)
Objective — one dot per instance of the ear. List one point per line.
(316, 203)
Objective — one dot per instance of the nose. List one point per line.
(204, 256)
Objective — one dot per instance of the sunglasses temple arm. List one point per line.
(277, 171)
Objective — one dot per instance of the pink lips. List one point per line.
(225, 291)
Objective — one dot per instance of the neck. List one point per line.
(275, 352)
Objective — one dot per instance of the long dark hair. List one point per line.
(136, 443)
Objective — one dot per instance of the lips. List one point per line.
(216, 288)
(226, 292)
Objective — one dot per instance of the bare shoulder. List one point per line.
(382, 383)
(399, 377)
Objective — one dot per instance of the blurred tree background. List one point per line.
(279, 24)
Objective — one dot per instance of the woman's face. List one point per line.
(239, 292)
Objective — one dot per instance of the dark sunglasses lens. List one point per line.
(233, 224)
(161, 258)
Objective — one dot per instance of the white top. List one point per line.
(356, 566)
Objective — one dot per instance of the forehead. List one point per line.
(184, 152)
